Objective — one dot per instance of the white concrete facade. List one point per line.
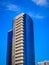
(17, 43)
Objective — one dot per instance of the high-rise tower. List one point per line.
(23, 41)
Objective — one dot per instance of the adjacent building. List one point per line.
(22, 41)
(43, 63)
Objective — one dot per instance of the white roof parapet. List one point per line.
(10, 30)
(40, 62)
(43, 61)
(46, 61)
(19, 15)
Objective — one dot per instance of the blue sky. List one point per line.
(39, 12)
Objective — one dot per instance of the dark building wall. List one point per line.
(9, 48)
(29, 55)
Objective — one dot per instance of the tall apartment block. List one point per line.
(43, 63)
(23, 41)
